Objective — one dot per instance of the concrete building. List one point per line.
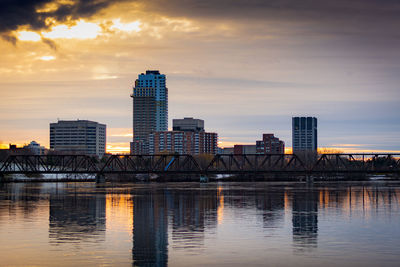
(225, 150)
(150, 108)
(138, 148)
(193, 143)
(36, 148)
(304, 134)
(270, 145)
(188, 125)
(80, 136)
(244, 149)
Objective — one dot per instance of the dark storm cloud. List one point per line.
(287, 9)
(376, 17)
(15, 13)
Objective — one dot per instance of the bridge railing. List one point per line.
(49, 164)
(357, 163)
(220, 163)
(256, 163)
(150, 164)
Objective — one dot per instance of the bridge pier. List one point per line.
(100, 178)
(309, 179)
(1, 177)
(203, 178)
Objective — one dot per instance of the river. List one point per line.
(192, 224)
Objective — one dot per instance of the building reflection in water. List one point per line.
(165, 219)
(192, 212)
(271, 203)
(305, 218)
(189, 212)
(150, 229)
(76, 216)
(21, 197)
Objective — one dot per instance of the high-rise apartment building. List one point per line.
(80, 136)
(150, 108)
(183, 142)
(304, 134)
(188, 137)
(270, 145)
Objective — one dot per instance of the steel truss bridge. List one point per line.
(203, 164)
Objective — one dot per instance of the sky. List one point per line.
(246, 67)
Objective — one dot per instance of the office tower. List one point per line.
(304, 134)
(188, 125)
(270, 145)
(150, 108)
(78, 137)
(193, 143)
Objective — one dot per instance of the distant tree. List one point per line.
(328, 150)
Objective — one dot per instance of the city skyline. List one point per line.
(246, 68)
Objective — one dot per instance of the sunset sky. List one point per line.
(244, 66)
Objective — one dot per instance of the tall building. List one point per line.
(80, 136)
(150, 108)
(270, 145)
(193, 143)
(304, 134)
(188, 125)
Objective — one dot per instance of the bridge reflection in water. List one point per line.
(166, 220)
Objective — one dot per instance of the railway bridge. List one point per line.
(371, 163)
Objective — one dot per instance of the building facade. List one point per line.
(304, 134)
(36, 148)
(270, 145)
(188, 125)
(150, 108)
(80, 136)
(225, 150)
(244, 149)
(183, 142)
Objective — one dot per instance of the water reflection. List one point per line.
(305, 218)
(19, 198)
(76, 216)
(192, 211)
(272, 204)
(150, 229)
(160, 225)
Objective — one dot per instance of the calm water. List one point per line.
(191, 224)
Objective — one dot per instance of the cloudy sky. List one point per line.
(244, 66)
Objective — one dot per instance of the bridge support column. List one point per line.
(203, 178)
(100, 178)
(1, 177)
(309, 179)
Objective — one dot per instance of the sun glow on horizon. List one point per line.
(118, 148)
